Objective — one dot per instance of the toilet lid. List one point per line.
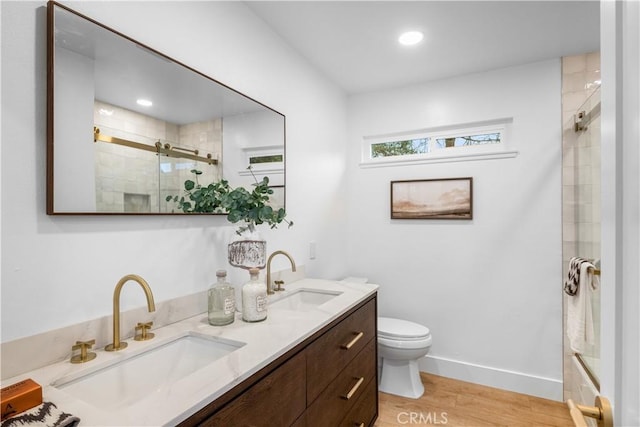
(398, 328)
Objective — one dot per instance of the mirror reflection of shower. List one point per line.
(135, 174)
(97, 76)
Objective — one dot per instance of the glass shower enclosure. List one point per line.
(581, 217)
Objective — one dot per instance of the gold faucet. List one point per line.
(270, 291)
(116, 344)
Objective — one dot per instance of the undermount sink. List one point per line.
(304, 299)
(130, 380)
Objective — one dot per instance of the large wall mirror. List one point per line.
(126, 125)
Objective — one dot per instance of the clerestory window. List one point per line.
(452, 143)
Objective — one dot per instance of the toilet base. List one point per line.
(401, 377)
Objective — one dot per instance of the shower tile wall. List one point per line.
(119, 187)
(206, 137)
(580, 79)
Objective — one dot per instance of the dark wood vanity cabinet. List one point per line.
(337, 400)
(330, 379)
(276, 400)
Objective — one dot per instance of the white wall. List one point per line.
(490, 288)
(74, 77)
(58, 270)
(250, 130)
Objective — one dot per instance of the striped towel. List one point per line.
(573, 278)
(44, 415)
(580, 325)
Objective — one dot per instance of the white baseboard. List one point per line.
(547, 388)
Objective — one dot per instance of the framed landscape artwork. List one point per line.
(447, 198)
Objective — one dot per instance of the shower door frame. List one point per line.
(620, 94)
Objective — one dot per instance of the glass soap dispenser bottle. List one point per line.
(222, 301)
(254, 298)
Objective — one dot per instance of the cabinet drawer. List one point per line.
(339, 397)
(330, 353)
(364, 410)
(277, 400)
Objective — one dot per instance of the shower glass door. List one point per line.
(587, 212)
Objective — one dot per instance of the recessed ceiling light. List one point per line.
(410, 38)
(144, 102)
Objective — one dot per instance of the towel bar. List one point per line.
(595, 271)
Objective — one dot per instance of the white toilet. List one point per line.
(400, 344)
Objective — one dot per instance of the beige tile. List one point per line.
(593, 61)
(574, 64)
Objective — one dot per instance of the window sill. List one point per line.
(278, 170)
(439, 159)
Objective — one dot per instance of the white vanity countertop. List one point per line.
(169, 405)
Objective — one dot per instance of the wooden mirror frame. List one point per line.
(51, 208)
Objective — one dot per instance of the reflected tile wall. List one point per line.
(119, 168)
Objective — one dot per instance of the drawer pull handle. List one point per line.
(360, 425)
(355, 388)
(353, 341)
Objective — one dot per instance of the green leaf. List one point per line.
(234, 216)
(250, 206)
(265, 213)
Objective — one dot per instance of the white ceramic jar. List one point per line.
(254, 298)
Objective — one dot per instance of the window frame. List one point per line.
(266, 167)
(448, 154)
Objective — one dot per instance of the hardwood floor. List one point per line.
(456, 403)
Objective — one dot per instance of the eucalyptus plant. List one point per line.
(238, 203)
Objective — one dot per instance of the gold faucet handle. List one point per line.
(278, 285)
(84, 355)
(143, 328)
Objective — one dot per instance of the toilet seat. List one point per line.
(405, 344)
(401, 330)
